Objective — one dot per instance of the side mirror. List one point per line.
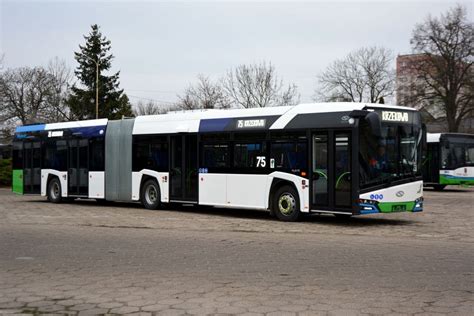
(424, 143)
(375, 124)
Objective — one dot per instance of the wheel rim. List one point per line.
(151, 194)
(286, 204)
(55, 190)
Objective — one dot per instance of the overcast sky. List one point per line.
(160, 47)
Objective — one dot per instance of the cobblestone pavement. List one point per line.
(85, 258)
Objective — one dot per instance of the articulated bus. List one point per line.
(449, 160)
(340, 158)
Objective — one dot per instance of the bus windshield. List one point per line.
(393, 156)
(457, 152)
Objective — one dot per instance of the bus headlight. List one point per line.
(418, 205)
(368, 206)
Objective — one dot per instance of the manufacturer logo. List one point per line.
(251, 123)
(345, 118)
(394, 116)
(376, 196)
(400, 193)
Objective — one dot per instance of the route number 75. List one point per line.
(261, 161)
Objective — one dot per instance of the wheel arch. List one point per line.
(277, 183)
(144, 179)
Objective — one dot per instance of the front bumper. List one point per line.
(373, 207)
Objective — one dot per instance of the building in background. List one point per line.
(411, 91)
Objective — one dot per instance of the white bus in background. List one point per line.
(449, 161)
(341, 158)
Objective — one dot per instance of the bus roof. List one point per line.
(189, 121)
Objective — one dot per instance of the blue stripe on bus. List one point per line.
(214, 125)
(30, 128)
(89, 131)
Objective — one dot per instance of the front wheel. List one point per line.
(54, 191)
(286, 205)
(150, 195)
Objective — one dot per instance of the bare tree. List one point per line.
(258, 86)
(24, 93)
(62, 76)
(205, 94)
(445, 71)
(365, 75)
(150, 108)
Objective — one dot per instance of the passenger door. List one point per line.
(183, 168)
(331, 171)
(32, 167)
(78, 167)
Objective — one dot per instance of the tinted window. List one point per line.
(320, 169)
(342, 167)
(250, 155)
(17, 162)
(291, 156)
(96, 154)
(215, 156)
(150, 152)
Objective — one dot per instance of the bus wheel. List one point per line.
(439, 187)
(150, 195)
(54, 191)
(286, 205)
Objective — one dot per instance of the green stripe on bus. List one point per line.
(454, 181)
(17, 185)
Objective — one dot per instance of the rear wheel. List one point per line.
(343, 216)
(286, 205)
(150, 195)
(54, 191)
(439, 187)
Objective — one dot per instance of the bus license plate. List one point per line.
(399, 208)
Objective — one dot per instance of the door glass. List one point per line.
(83, 168)
(342, 169)
(176, 167)
(36, 163)
(320, 169)
(28, 168)
(191, 168)
(72, 169)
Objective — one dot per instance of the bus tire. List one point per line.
(439, 187)
(150, 195)
(54, 191)
(286, 204)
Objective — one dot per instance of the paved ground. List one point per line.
(90, 259)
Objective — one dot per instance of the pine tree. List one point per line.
(113, 103)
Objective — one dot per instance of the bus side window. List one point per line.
(96, 152)
(289, 156)
(250, 155)
(215, 155)
(17, 161)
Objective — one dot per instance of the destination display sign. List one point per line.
(393, 116)
(260, 123)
